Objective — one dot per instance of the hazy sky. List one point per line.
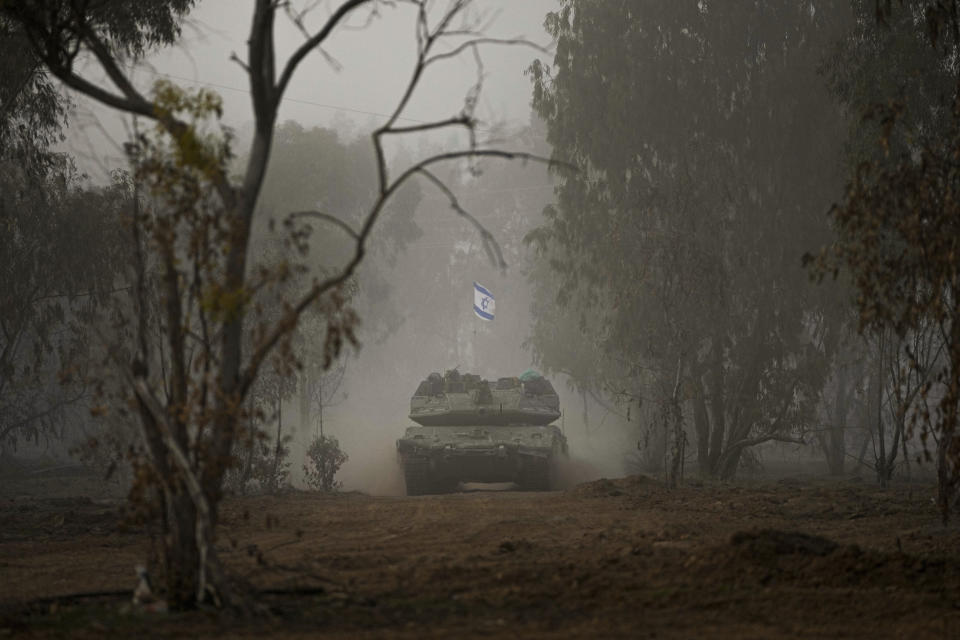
(376, 62)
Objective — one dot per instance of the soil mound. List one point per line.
(773, 541)
(606, 487)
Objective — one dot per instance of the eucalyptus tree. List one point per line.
(32, 110)
(59, 254)
(708, 147)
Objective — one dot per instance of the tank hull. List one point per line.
(495, 407)
(437, 458)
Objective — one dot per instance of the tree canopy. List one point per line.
(704, 166)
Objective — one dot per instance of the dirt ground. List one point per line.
(793, 558)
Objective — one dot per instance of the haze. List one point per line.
(536, 318)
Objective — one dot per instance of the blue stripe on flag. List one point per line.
(482, 290)
(482, 314)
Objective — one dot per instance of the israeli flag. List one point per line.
(483, 302)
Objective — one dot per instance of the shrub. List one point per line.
(324, 459)
(259, 467)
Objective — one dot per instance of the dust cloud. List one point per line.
(439, 331)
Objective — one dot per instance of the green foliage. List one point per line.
(206, 153)
(703, 166)
(197, 152)
(61, 252)
(324, 459)
(32, 110)
(130, 28)
(889, 74)
(37, 36)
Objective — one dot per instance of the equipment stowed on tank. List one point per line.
(475, 430)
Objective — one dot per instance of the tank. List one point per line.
(474, 430)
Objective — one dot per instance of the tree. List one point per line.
(897, 223)
(702, 164)
(192, 239)
(324, 459)
(59, 256)
(322, 390)
(908, 364)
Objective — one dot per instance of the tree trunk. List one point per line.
(247, 470)
(677, 450)
(586, 416)
(836, 445)
(320, 403)
(891, 460)
(676, 415)
(181, 552)
(275, 480)
(729, 464)
(945, 486)
(305, 384)
(701, 421)
(948, 446)
(718, 409)
(865, 417)
(881, 458)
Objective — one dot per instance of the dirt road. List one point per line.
(624, 558)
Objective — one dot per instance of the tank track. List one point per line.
(535, 476)
(416, 476)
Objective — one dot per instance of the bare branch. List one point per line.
(425, 40)
(456, 51)
(327, 218)
(109, 63)
(291, 318)
(490, 244)
(737, 447)
(235, 58)
(131, 101)
(59, 57)
(313, 42)
(50, 410)
(460, 120)
(84, 86)
(296, 17)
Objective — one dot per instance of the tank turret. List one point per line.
(457, 400)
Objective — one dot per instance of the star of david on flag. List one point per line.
(483, 302)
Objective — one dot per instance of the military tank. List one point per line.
(474, 430)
